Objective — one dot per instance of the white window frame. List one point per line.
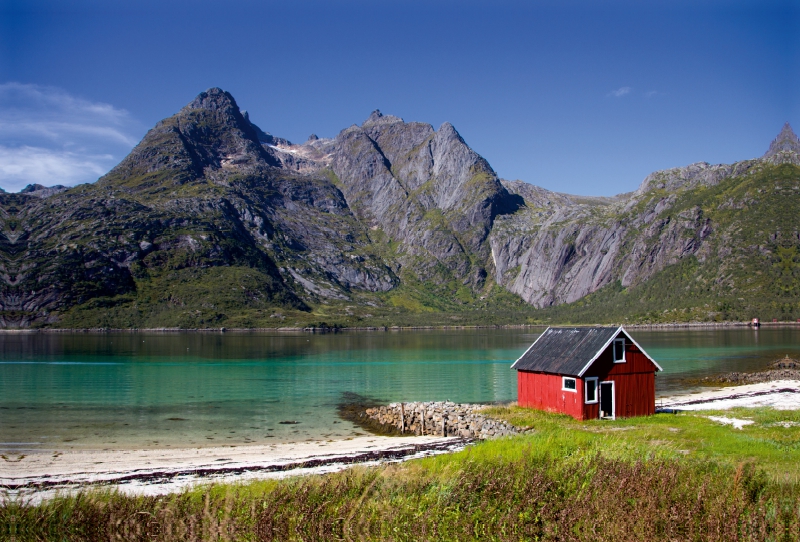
(596, 390)
(564, 384)
(614, 350)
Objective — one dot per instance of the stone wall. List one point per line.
(439, 419)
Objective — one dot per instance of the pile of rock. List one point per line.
(782, 369)
(439, 419)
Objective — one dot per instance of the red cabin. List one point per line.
(591, 372)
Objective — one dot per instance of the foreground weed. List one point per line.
(530, 496)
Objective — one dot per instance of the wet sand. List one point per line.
(158, 471)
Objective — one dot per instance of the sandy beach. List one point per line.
(42, 475)
(779, 394)
(159, 471)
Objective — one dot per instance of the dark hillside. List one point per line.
(212, 222)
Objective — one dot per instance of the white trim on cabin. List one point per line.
(602, 349)
(529, 348)
(642, 351)
(596, 399)
(614, 351)
(613, 400)
(564, 387)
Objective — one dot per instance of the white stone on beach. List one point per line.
(737, 423)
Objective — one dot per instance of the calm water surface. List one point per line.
(67, 391)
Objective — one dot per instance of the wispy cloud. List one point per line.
(620, 92)
(651, 93)
(20, 166)
(48, 136)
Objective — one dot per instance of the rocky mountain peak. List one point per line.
(787, 142)
(228, 218)
(447, 131)
(213, 99)
(376, 117)
(32, 188)
(210, 133)
(42, 191)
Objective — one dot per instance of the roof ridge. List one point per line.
(571, 353)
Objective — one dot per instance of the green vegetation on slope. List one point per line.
(230, 297)
(751, 268)
(189, 298)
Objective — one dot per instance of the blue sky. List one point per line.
(584, 97)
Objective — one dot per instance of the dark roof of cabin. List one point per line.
(565, 350)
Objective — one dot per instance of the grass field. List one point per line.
(771, 443)
(666, 477)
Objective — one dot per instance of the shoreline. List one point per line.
(664, 326)
(778, 394)
(42, 475)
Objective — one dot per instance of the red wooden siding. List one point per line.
(635, 362)
(634, 383)
(634, 387)
(635, 394)
(543, 391)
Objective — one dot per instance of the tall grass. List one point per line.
(505, 490)
(663, 477)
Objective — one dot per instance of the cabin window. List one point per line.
(568, 384)
(619, 350)
(590, 385)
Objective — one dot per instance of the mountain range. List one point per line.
(211, 221)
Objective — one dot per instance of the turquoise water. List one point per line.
(72, 391)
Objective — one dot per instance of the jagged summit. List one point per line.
(785, 147)
(376, 117)
(33, 188)
(239, 226)
(213, 99)
(209, 133)
(448, 131)
(41, 191)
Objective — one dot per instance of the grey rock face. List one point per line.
(572, 249)
(200, 191)
(41, 191)
(378, 118)
(552, 253)
(207, 189)
(694, 175)
(426, 189)
(562, 248)
(208, 134)
(784, 149)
